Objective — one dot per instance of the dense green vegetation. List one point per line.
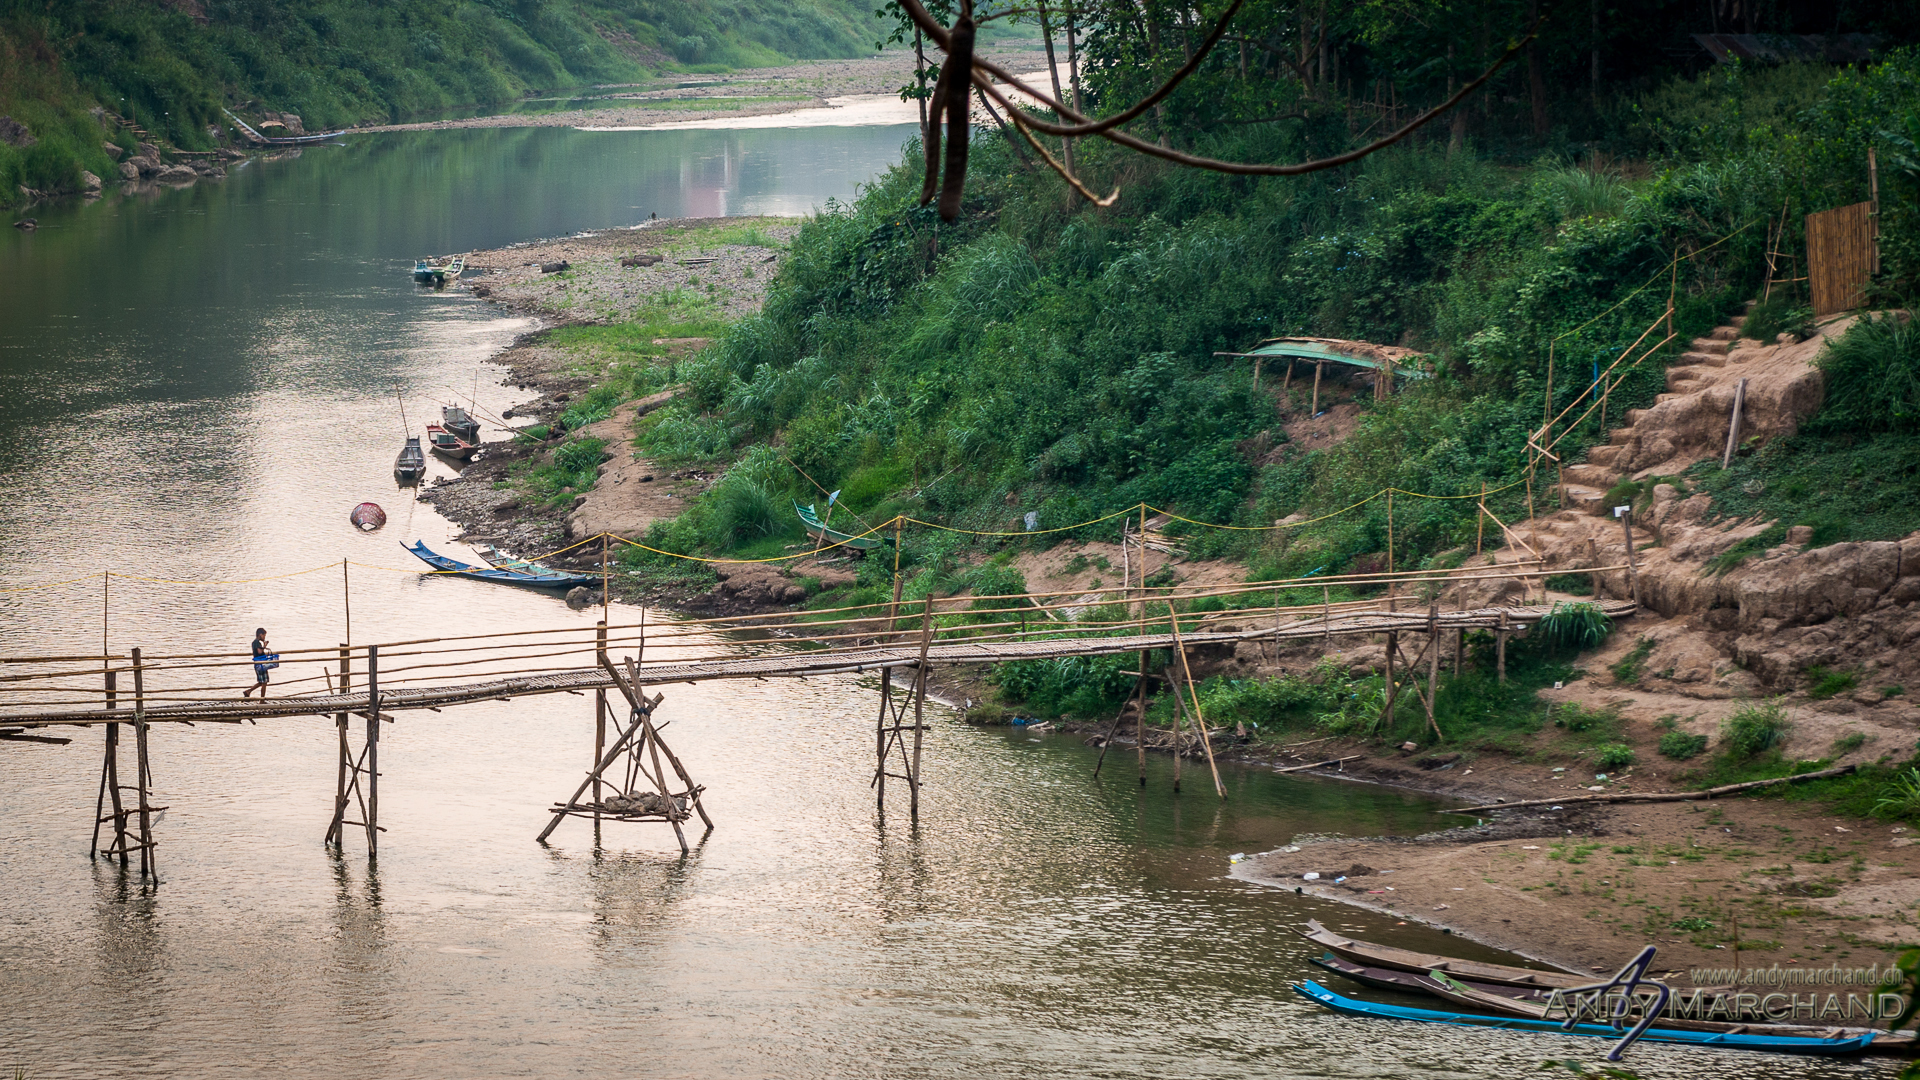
(1035, 356)
(172, 66)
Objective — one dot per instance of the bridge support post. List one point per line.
(126, 840)
(640, 793)
(358, 780)
(893, 726)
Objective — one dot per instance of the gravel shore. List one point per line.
(752, 92)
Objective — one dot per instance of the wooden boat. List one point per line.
(525, 573)
(1390, 979)
(1835, 1045)
(446, 442)
(455, 419)
(1385, 956)
(425, 273)
(367, 517)
(855, 545)
(1458, 993)
(411, 465)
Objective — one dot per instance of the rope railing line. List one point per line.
(879, 612)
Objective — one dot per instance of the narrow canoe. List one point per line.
(1389, 979)
(1385, 956)
(1458, 993)
(810, 518)
(538, 577)
(411, 465)
(1855, 1044)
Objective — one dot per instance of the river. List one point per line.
(195, 387)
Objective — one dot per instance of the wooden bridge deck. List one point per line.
(796, 663)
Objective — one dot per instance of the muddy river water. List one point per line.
(195, 387)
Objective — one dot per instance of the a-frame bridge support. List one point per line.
(635, 766)
(892, 728)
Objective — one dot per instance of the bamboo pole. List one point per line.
(1140, 729)
(344, 755)
(650, 737)
(1199, 717)
(1393, 688)
(1633, 570)
(919, 703)
(1733, 425)
(1179, 714)
(1314, 409)
(1667, 796)
(1433, 665)
(107, 777)
(144, 776)
(1389, 548)
(880, 734)
(599, 716)
(1500, 648)
(1480, 522)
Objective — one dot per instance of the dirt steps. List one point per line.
(1584, 485)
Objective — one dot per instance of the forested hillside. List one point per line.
(172, 65)
(1042, 355)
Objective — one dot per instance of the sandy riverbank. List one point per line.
(753, 92)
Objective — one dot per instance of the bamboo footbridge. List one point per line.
(635, 776)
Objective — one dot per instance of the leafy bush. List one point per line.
(1611, 756)
(1754, 729)
(1776, 315)
(1627, 670)
(1082, 686)
(1900, 797)
(1681, 745)
(1873, 378)
(1575, 626)
(1600, 720)
(1823, 683)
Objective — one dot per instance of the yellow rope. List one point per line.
(1656, 277)
(53, 584)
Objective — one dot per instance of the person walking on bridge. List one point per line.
(260, 666)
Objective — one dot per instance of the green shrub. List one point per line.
(1611, 756)
(742, 511)
(1574, 626)
(1775, 316)
(1627, 670)
(1083, 686)
(1872, 378)
(1900, 797)
(1681, 745)
(1582, 720)
(1823, 684)
(1754, 729)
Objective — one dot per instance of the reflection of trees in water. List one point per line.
(633, 895)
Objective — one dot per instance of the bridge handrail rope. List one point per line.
(966, 632)
(1657, 275)
(1022, 603)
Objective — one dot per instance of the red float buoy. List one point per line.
(368, 516)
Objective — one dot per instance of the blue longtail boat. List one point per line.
(1856, 1042)
(525, 573)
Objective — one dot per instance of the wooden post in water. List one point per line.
(1179, 713)
(342, 785)
(919, 703)
(109, 779)
(599, 716)
(1199, 717)
(880, 731)
(1140, 721)
(144, 778)
(372, 787)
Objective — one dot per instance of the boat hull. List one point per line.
(1320, 995)
(546, 579)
